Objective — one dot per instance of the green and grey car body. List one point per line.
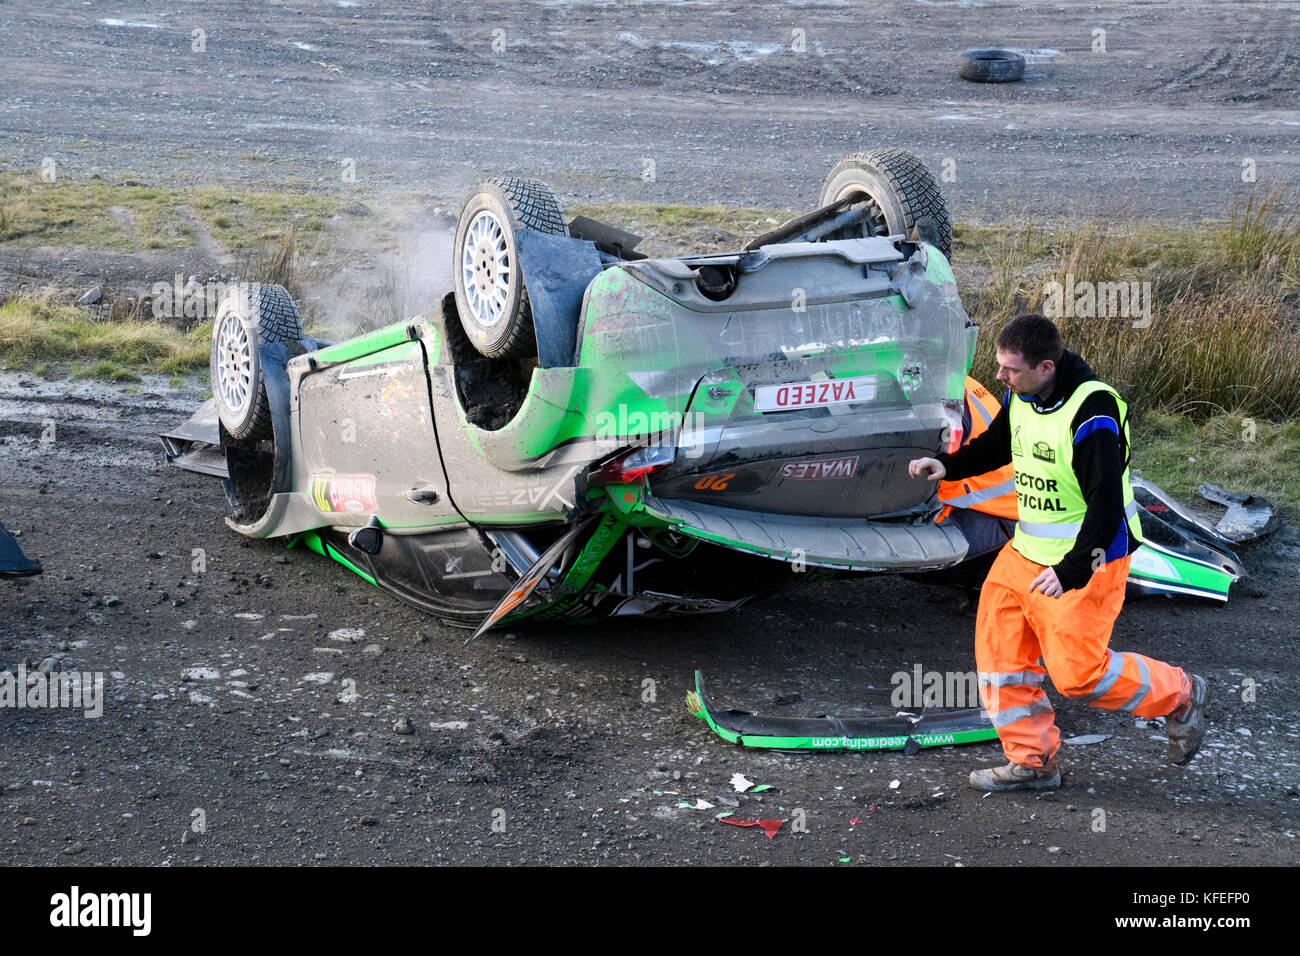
(686, 452)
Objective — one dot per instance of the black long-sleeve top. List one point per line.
(1099, 459)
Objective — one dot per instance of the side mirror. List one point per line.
(368, 539)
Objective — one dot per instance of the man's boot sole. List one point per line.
(1200, 738)
(1038, 783)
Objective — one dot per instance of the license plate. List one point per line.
(834, 391)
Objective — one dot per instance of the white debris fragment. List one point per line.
(200, 673)
(1085, 739)
(249, 616)
(741, 782)
(1244, 731)
(449, 725)
(893, 785)
(318, 677)
(348, 635)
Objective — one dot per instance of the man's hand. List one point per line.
(930, 467)
(1048, 583)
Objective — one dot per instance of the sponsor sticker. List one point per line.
(339, 493)
(824, 468)
(838, 391)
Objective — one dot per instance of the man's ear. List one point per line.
(1047, 366)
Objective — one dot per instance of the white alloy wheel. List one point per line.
(235, 372)
(488, 268)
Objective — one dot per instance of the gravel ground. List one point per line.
(708, 95)
(264, 692)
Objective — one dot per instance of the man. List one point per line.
(1051, 598)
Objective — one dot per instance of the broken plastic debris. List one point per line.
(769, 826)
(698, 805)
(893, 785)
(741, 782)
(1085, 739)
(844, 859)
(761, 788)
(1248, 516)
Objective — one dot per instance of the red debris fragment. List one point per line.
(769, 826)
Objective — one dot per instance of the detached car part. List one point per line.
(908, 732)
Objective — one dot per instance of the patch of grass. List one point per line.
(107, 370)
(1224, 327)
(1263, 235)
(69, 212)
(34, 332)
(1231, 450)
(242, 219)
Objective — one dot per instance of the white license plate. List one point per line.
(834, 391)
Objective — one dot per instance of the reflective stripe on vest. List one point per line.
(1064, 529)
(993, 492)
(981, 495)
(1050, 502)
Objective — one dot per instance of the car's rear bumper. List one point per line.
(855, 544)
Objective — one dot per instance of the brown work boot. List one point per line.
(1186, 726)
(1015, 777)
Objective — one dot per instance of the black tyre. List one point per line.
(490, 296)
(251, 314)
(899, 191)
(990, 66)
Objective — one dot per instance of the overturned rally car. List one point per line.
(579, 431)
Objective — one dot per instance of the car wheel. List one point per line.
(899, 191)
(490, 296)
(990, 66)
(251, 314)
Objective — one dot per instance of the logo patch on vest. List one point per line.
(1015, 442)
(1044, 451)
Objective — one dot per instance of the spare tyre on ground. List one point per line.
(990, 66)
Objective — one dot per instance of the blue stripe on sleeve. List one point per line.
(1094, 423)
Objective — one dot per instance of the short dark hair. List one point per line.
(1034, 337)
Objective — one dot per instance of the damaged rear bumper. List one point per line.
(905, 732)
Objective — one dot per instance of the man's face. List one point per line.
(1020, 377)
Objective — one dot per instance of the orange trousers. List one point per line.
(1022, 637)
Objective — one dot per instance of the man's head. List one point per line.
(1028, 348)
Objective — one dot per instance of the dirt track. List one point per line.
(216, 700)
(583, 93)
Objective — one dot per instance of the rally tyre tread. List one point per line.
(278, 320)
(911, 181)
(990, 66)
(533, 205)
